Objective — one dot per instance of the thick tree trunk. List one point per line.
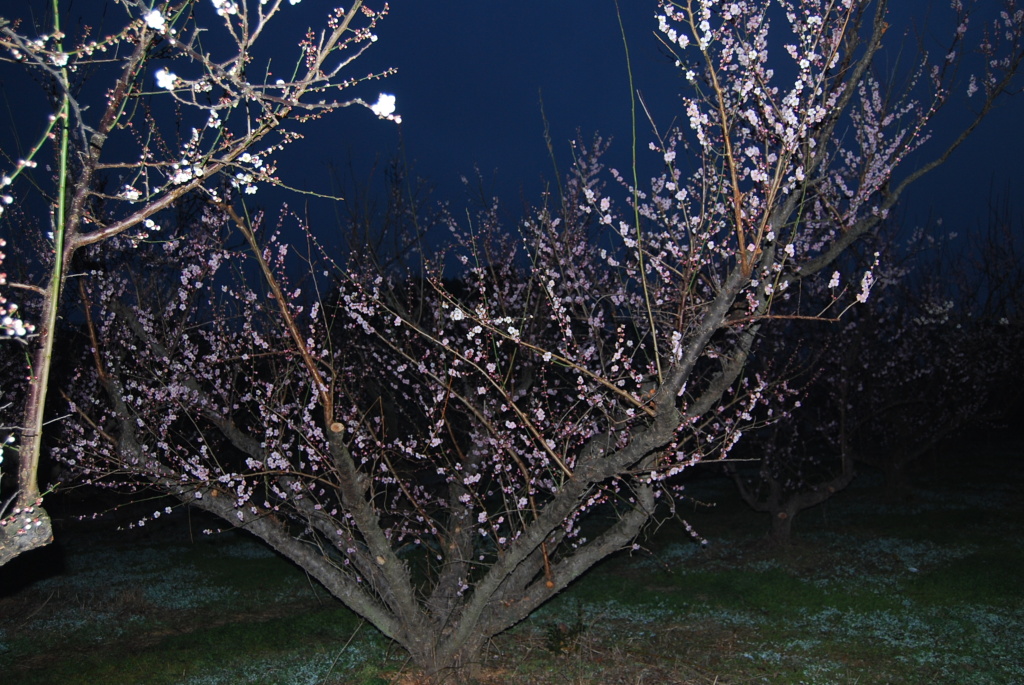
(462, 664)
(769, 496)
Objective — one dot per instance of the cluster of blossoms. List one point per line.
(11, 323)
(385, 108)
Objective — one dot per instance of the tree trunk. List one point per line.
(24, 530)
(781, 532)
(444, 664)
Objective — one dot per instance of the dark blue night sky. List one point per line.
(469, 74)
(469, 83)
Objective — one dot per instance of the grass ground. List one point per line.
(927, 591)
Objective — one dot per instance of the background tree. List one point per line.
(933, 355)
(587, 355)
(801, 461)
(941, 354)
(129, 136)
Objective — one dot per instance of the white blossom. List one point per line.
(866, 282)
(385, 108)
(155, 20)
(225, 7)
(165, 79)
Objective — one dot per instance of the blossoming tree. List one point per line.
(444, 457)
(115, 160)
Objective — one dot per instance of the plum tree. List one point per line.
(445, 459)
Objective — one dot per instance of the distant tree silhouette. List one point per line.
(936, 352)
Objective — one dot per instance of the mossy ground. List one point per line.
(870, 592)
